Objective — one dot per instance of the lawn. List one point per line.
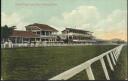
(45, 63)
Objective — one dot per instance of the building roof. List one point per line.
(28, 34)
(77, 30)
(43, 27)
(71, 29)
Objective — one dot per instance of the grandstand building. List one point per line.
(43, 33)
(71, 35)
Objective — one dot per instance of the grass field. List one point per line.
(45, 63)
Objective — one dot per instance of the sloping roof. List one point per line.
(77, 30)
(43, 27)
(29, 34)
(63, 30)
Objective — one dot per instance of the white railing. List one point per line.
(78, 34)
(114, 53)
(48, 44)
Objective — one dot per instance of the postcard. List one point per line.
(64, 40)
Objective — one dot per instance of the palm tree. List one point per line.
(6, 32)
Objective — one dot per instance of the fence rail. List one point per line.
(114, 53)
(46, 44)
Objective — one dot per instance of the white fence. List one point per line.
(114, 54)
(46, 44)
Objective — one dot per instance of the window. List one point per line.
(43, 33)
(38, 32)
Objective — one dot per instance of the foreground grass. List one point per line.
(45, 63)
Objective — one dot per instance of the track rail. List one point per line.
(113, 53)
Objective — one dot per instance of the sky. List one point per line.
(106, 18)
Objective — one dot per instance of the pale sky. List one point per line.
(106, 18)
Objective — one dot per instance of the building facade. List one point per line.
(71, 35)
(34, 33)
(45, 32)
(41, 33)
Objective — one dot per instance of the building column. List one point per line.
(16, 40)
(40, 33)
(72, 37)
(68, 38)
(45, 33)
(35, 39)
(35, 42)
(49, 33)
(22, 40)
(29, 40)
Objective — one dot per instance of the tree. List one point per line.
(6, 32)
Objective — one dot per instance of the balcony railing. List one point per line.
(76, 34)
(48, 36)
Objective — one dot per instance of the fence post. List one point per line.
(112, 58)
(109, 61)
(114, 54)
(119, 51)
(104, 68)
(90, 73)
